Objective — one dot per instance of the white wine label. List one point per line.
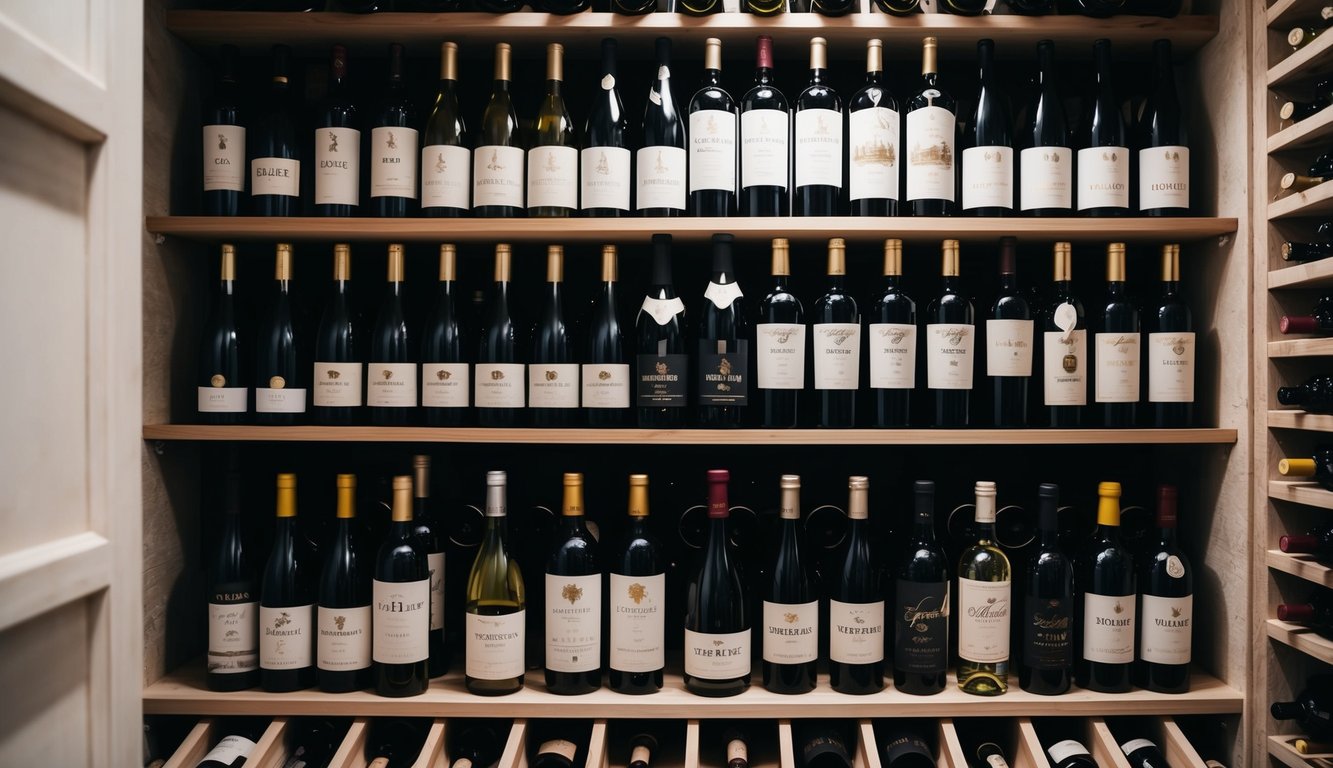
(1009, 348)
(233, 637)
(605, 385)
(930, 154)
(573, 622)
(837, 350)
(402, 621)
(553, 385)
(223, 399)
(661, 178)
(638, 625)
(1117, 379)
(497, 176)
(1164, 178)
(604, 172)
(337, 385)
(391, 385)
(780, 355)
(229, 750)
(872, 157)
(819, 147)
(494, 646)
(446, 176)
(1134, 744)
(1166, 627)
(435, 567)
(1065, 368)
(1046, 178)
(662, 310)
(1108, 628)
(393, 162)
(892, 355)
(1066, 749)
(712, 150)
(275, 176)
(717, 656)
(1171, 367)
(499, 385)
(224, 158)
(988, 177)
(285, 640)
(983, 621)
(722, 295)
(949, 354)
(553, 177)
(791, 632)
(1103, 178)
(279, 400)
(343, 643)
(445, 385)
(337, 166)
(765, 153)
(856, 632)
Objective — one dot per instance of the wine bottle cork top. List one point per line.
(346, 481)
(638, 480)
(286, 480)
(789, 481)
(496, 477)
(555, 61)
(1296, 467)
(1108, 489)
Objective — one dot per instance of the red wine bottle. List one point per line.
(337, 380)
(780, 346)
(988, 146)
(717, 621)
(394, 152)
(1105, 606)
(1046, 162)
(553, 376)
(499, 394)
(1117, 345)
(712, 136)
(1171, 350)
(1103, 155)
(605, 371)
(401, 597)
(606, 157)
(274, 152)
(950, 345)
(1316, 612)
(391, 386)
(637, 580)
(1009, 344)
(836, 344)
(222, 394)
(430, 535)
(1163, 143)
(1314, 395)
(1048, 606)
(661, 187)
(818, 141)
(446, 384)
(1312, 709)
(573, 600)
(1320, 467)
(722, 362)
(765, 141)
(892, 344)
(224, 141)
(1166, 605)
(1064, 348)
(920, 610)
(1318, 542)
(233, 601)
(286, 603)
(929, 151)
(790, 603)
(343, 645)
(1319, 321)
(280, 392)
(856, 604)
(337, 145)
(662, 355)
(873, 146)
(1312, 251)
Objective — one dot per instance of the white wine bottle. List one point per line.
(495, 606)
(983, 606)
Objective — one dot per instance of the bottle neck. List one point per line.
(874, 78)
(763, 76)
(1048, 524)
(1115, 288)
(818, 75)
(1170, 288)
(949, 283)
(661, 270)
(1008, 282)
(1046, 69)
(712, 78)
(717, 536)
(554, 88)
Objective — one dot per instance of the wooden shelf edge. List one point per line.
(1275, 12)
(1302, 134)
(1302, 566)
(1311, 202)
(1306, 61)
(1301, 638)
(1281, 747)
(1309, 494)
(1284, 419)
(1310, 275)
(1306, 347)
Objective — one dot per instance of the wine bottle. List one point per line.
(892, 345)
(696, 8)
(1298, 251)
(1064, 349)
(234, 749)
(1319, 321)
(642, 748)
(899, 7)
(712, 137)
(920, 610)
(990, 754)
(573, 600)
(477, 743)
(1105, 580)
(337, 145)
(723, 362)
(224, 141)
(1299, 37)
(1166, 607)
(1163, 144)
(1142, 753)
(445, 374)
(1296, 182)
(395, 742)
(818, 144)
(561, 7)
(873, 146)
(495, 612)
(342, 647)
(222, 397)
(553, 376)
(394, 151)
(1117, 375)
(402, 600)
(1171, 350)
(791, 606)
(1314, 395)
(950, 340)
(905, 748)
(765, 141)
(822, 743)
(780, 346)
(286, 603)
(553, 160)
(1312, 708)
(1046, 162)
(497, 162)
(1303, 746)
(604, 161)
(446, 161)
(661, 187)
(983, 605)
(717, 624)
(275, 154)
(1319, 468)
(764, 7)
(430, 535)
(280, 394)
(1009, 344)
(1296, 111)
(314, 740)
(1032, 7)
(233, 621)
(559, 744)
(500, 395)
(856, 604)
(988, 143)
(662, 359)
(735, 747)
(832, 7)
(930, 142)
(338, 369)
(1070, 754)
(637, 582)
(1103, 156)
(391, 389)
(837, 344)
(605, 375)
(1048, 605)
(633, 7)
(1316, 612)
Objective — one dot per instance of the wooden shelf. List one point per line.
(1307, 62)
(1277, 12)
(1312, 274)
(184, 692)
(1303, 639)
(1281, 747)
(816, 229)
(656, 437)
(1300, 347)
(1309, 494)
(1309, 132)
(1302, 566)
(1316, 201)
(1300, 420)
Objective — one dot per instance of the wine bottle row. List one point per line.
(778, 367)
(818, 153)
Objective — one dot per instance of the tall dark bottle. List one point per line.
(637, 580)
(765, 141)
(1105, 605)
(712, 137)
(446, 384)
(605, 370)
(717, 620)
(430, 533)
(233, 601)
(222, 395)
(446, 160)
(1163, 144)
(1118, 353)
(891, 344)
(1319, 321)
(497, 161)
(235, 748)
(287, 602)
(280, 392)
(573, 600)
(394, 152)
(1064, 361)
(1311, 709)
(499, 395)
(553, 376)
(400, 593)
(605, 177)
(662, 359)
(553, 157)
(337, 377)
(1048, 606)
(1166, 606)
(790, 638)
(920, 610)
(337, 145)
(395, 742)
(1103, 155)
(873, 146)
(1070, 754)
(1046, 161)
(836, 344)
(930, 139)
(1009, 344)
(950, 345)
(723, 359)
(660, 184)
(274, 152)
(1170, 357)
(856, 603)
(817, 142)
(224, 141)
(496, 605)
(780, 346)
(988, 146)
(391, 386)
(342, 647)
(1314, 395)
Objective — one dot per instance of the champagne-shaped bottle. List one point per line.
(765, 141)
(1105, 605)
(780, 346)
(1166, 605)
(343, 645)
(1163, 143)
(660, 184)
(818, 141)
(233, 601)
(337, 379)
(929, 148)
(873, 145)
(1046, 161)
(983, 605)
(1170, 357)
(430, 533)
(892, 344)
(446, 384)
(222, 395)
(836, 344)
(553, 376)
(286, 602)
(337, 145)
(573, 600)
(495, 605)
(1048, 606)
(1009, 344)
(274, 152)
(790, 603)
(280, 392)
(1103, 155)
(1118, 353)
(446, 160)
(1064, 348)
(717, 621)
(988, 145)
(605, 372)
(224, 141)
(723, 359)
(856, 603)
(950, 345)
(499, 395)
(712, 137)
(497, 162)
(920, 611)
(553, 160)
(606, 157)
(637, 580)
(391, 388)
(662, 355)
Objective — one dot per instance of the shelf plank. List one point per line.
(1303, 639)
(1303, 566)
(185, 692)
(1277, 12)
(1300, 347)
(1309, 494)
(1282, 748)
(1312, 274)
(1306, 62)
(1297, 419)
(1309, 132)
(1316, 201)
(692, 436)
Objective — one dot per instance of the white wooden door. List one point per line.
(71, 111)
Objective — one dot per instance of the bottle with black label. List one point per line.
(920, 610)
(661, 355)
(1048, 641)
(780, 346)
(723, 357)
(904, 747)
